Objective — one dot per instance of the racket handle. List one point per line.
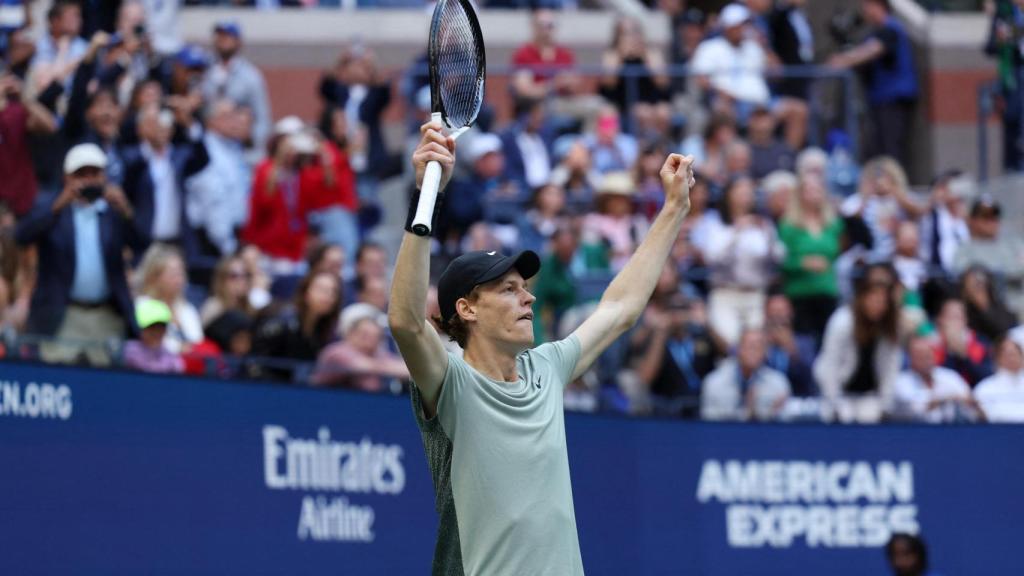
(428, 196)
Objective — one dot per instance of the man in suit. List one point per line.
(81, 296)
(155, 173)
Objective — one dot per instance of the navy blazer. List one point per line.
(188, 158)
(54, 236)
(515, 167)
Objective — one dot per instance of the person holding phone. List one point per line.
(81, 293)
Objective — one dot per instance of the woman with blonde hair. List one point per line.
(161, 276)
(229, 290)
(811, 233)
(882, 201)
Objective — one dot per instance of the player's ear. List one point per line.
(465, 309)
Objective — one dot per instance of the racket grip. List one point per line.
(428, 196)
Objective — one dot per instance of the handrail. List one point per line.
(812, 73)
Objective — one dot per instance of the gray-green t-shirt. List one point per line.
(509, 469)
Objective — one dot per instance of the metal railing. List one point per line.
(817, 77)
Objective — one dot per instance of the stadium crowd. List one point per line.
(155, 216)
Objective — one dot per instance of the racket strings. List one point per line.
(459, 66)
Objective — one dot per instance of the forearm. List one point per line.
(409, 284)
(633, 286)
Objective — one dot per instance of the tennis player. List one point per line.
(492, 421)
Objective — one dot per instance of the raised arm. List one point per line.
(625, 299)
(419, 343)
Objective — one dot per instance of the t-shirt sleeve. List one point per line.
(562, 356)
(455, 378)
(890, 40)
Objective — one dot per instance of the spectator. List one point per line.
(812, 161)
(20, 116)
(943, 227)
(259, 280)
(471, 198)
(149, 353)
(358, 87)
(987, 314)
(779, 188)
(792, 40)
(360, 361)
(155, 175)
(892, 86)
(743, 387)
(329, 258)
(526, 150)
(95, 116)
(556, 288)
(731, 69)
(328, 187)
(60, 48)
(300, 331)
(615, 222)
(907, 555)
(229, 291)
(959, 348)
(742, 252)
(544, 70)
(860, 355)
(277, 214)
(1004, 44)
(576, 174)
(768, 153)
(929, 393)
(162, 26)
(709, 152)
(542, 219)
(689, 27)
(635, 79)
(161, 276)
(913, 272)
(217, 197)
(81, 291)
(129, 54)
(738, 159)
(235, 78)
(882, 200)
(372, 290)
(786, 353)
(1001, 396)
(232, 333)
(610, 150)
(647, 175)
(671, 350)
(1003, 257)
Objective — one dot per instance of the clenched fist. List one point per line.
(677, 178)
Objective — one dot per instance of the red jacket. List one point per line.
(276, 225)
(317, 194)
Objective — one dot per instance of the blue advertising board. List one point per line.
(122, 473)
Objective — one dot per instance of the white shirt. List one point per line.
(742, 258)
(166, 203)
(912, 272)
(536, 162)
(952, 233)
(735, 70)
(1002, 397)
(911, 396)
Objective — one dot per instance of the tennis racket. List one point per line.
(455, 53)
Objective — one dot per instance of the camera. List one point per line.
(91, 193)
(139, 30)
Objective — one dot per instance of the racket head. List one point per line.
(457, 63)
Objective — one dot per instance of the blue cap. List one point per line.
(192, 56)
(228, 27)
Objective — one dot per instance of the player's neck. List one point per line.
(489, 359)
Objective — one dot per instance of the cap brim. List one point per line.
(527, 263)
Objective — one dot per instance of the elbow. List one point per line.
(403, 324)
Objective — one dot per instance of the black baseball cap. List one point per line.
(986, 205)
(479, 267)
